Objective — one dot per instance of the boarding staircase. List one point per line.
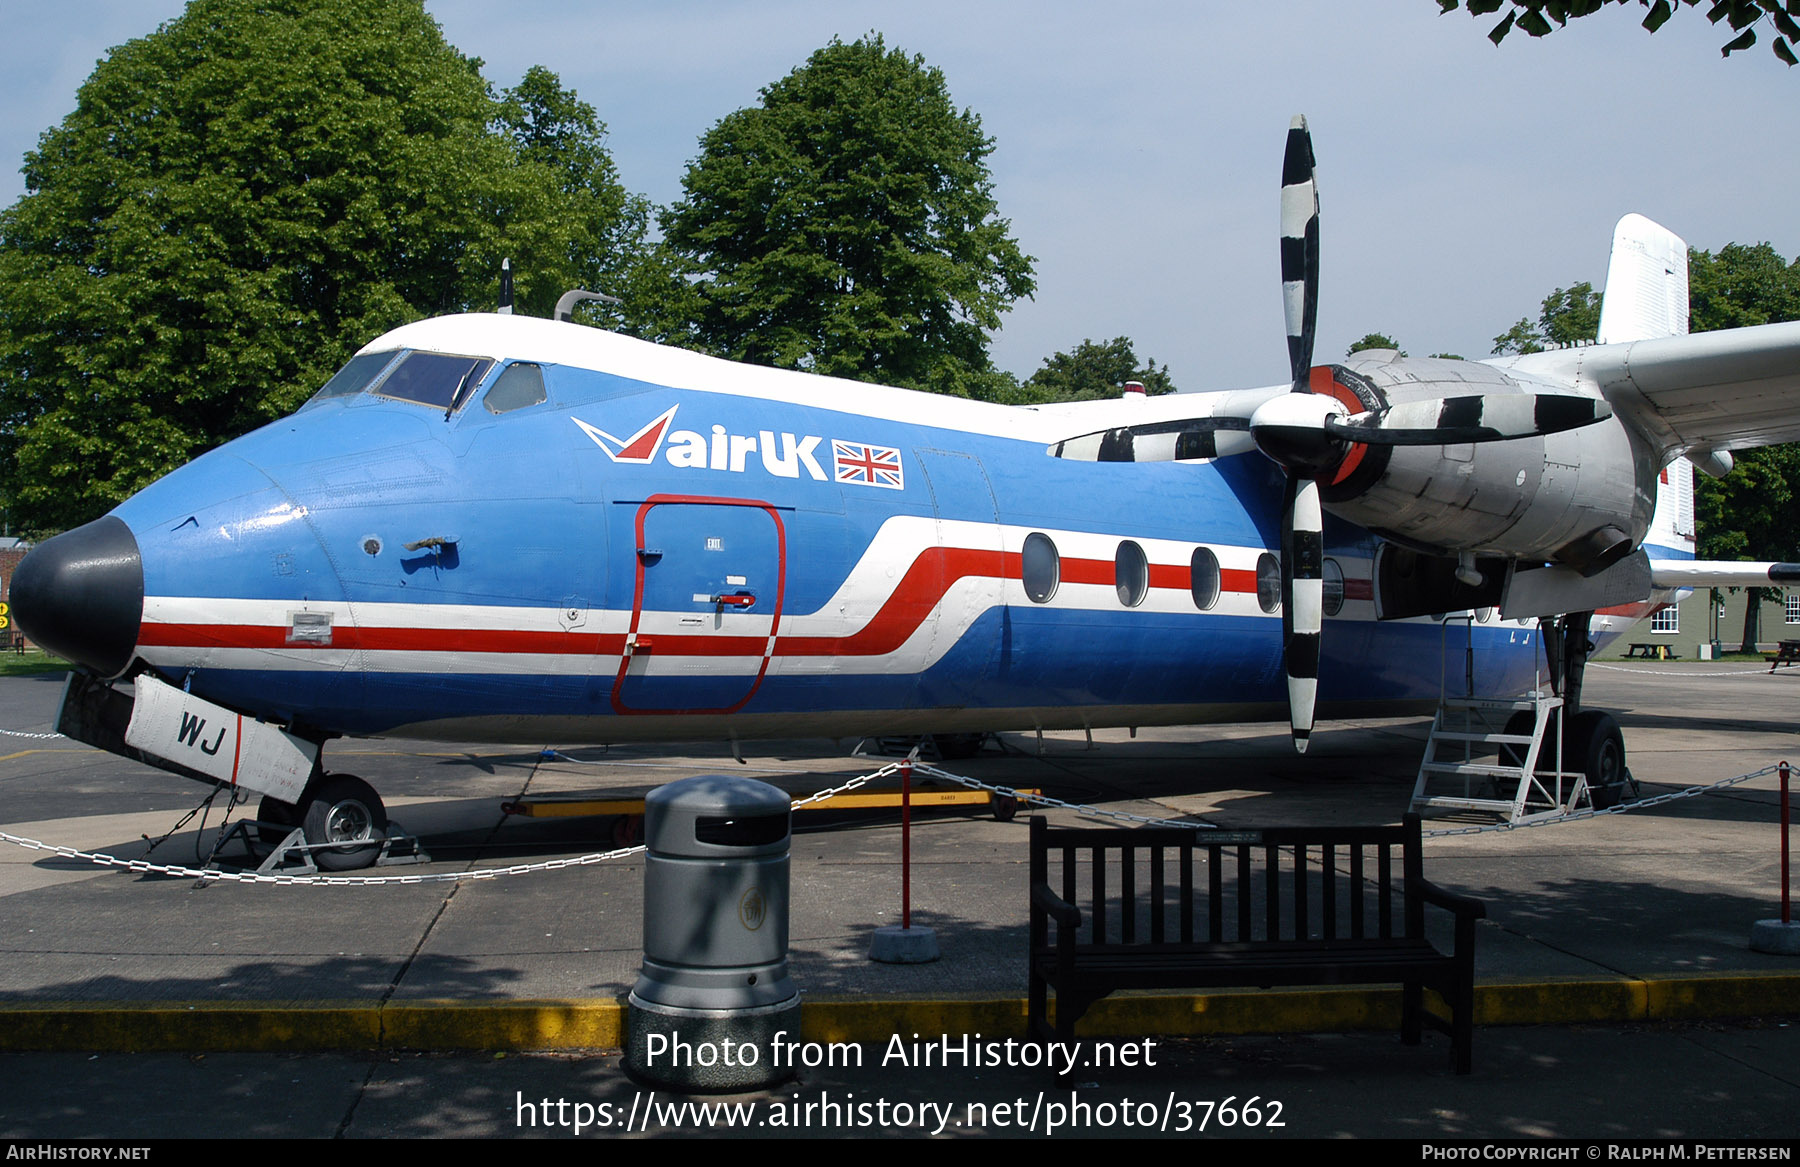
(1481, 759)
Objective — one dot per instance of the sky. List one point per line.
(1138, 155)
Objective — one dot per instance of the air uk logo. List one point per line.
(783, 455)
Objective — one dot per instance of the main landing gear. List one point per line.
(1553, 756)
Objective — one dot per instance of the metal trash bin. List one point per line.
(714, 989)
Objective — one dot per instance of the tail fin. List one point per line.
(1646, 299)
(1646, 283)
(1671, 534)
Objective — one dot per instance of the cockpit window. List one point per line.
(354, 377)
(434, 379)
(517, 386)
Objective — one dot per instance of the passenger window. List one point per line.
(354, 377)
(1333, 580)
(1203, 578)
(1268, 582)
(517, 386)
(435, 379)
(1040, 566)
(1131, 574)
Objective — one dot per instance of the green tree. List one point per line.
(847, 225)
(1094, 371)
(240, 200)
(1751, 513)
(1741, 286)
(1535, 17)
(1373, 340)
(1568, 315)
(599, 233)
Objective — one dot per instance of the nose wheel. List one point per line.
(343, 809)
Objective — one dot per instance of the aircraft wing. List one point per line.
(1707, 391)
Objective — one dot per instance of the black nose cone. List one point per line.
(81, 595)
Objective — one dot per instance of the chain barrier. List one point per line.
(1681, 672)
(144, 866)
(1638, 804)
(22, 733)
(924, 769)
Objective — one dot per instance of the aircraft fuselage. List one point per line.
(667, 546)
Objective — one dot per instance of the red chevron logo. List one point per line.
(639, 447)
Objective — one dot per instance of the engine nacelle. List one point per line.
(1583, 497)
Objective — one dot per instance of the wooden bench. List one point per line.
(1168, 908)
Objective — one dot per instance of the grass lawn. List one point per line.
(35, 660)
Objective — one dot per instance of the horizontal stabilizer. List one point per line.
(1702, 573)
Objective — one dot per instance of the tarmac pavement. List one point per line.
(1618, 996)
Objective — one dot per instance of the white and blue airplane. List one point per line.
(488, 527)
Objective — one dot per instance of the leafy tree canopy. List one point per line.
(1741, 286)
(1095, 371)
(243, 198)
(1373, 340)
(1569, 315)
(847, 225)
(1775, 17)
(1751, 513)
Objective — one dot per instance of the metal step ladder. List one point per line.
(1472, 764)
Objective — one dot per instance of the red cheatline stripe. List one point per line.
(932, 574)
(237, 748)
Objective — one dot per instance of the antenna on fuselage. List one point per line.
(565, 307)
(506, 295)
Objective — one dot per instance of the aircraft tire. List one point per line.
(278, 819)
(342, 808)
(627, 830)
(1520, 723)
(1597, 745)
(954, 747)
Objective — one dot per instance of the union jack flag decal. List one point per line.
(867, 465)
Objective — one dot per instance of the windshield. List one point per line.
(434, 379)
(354, 377)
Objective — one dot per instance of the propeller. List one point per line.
(1309, 434)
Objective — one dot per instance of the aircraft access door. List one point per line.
(707, 605)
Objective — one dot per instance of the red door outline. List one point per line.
(637, 600)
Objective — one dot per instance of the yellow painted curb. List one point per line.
(1722, 995)
(503, 1025)
(190, 1025)
(599, 1023)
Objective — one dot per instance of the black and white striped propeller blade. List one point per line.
(1302, 524)
(1299, 250)
(1478, 418)
(1302, 602)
